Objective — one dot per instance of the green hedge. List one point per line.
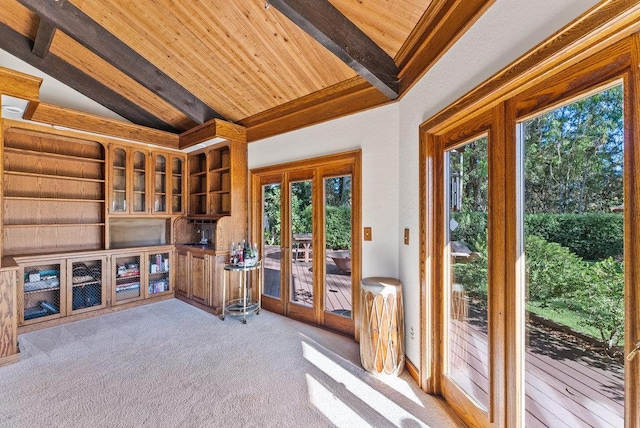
(592, 236)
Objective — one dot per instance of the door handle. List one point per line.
(634, 351)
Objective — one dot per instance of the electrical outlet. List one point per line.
(406, 236)
(367, 234)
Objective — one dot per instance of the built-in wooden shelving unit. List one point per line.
(54, 193)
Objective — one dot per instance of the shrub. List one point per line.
(553, 271)
(338, 228)
(601, 298)
(472, 229)
(592, 236)
(473, 276)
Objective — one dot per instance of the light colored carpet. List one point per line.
(169, 364)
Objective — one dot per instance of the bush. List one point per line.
(472, 229)
(338, 228)
(473, 276)
(553, 271)
(592, 236)
(601, 298)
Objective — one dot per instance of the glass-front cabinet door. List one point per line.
(159, 183)
(177, 187)
(139, 182)
(118, 180)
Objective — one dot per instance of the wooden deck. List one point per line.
(565, 386)
(338, 283)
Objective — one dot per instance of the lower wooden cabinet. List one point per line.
(42, 291)
(200, 288)
(68, 284)
(86, 284)
(194, 276)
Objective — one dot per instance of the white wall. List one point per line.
(376, 133)
(506, 31)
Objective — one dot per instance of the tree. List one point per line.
(573, 156)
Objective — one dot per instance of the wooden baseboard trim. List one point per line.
(412, 370)
(85, 315)
(10, 359)
(212, 310)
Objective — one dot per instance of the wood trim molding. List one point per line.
(59, 116)
(70, 19)
(212, 129)
(336, 101)
(19, 85)
(437, 31)
(412, 370)
(329, 27)
(603, 25)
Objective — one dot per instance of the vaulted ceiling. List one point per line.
(271, 66)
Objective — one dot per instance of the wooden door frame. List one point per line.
(335, 163)
(618, 61)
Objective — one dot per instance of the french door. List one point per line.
(308, 221)
(532, 252)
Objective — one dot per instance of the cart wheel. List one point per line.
(244, 321)
(222, 317)
(258, 312)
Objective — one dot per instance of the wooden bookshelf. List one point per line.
(54, 193)
(211, 174)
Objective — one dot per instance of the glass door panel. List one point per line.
(271, 239)
(160, 184)
(572, 237)
(337, 211)
(119, 181)
(139, 182)
(176, 184)
(301, 210)
(466, 276)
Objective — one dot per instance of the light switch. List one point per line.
(367, 234)
(406, 237)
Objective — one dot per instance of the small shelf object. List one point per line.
(159, 273)
(127, 279)
(87, 284)
(244, 304)
(43, 295)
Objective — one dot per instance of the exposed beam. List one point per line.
(72, 21)
(44, 37)
(326, 24)
(212, 129)
(55, 115)
(19, 46)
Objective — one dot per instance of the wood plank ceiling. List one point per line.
(271, 66)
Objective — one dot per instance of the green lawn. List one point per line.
(559, 313)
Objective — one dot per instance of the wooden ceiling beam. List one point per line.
(21, 47)
(327, 25)
(72, 21)
(44, 37)
(215, 128)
